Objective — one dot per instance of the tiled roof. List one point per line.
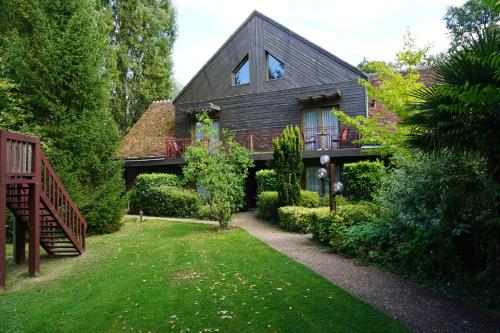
(146, 138)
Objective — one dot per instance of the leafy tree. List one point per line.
(56, 53)
(220, 168)
(142, 39)
(288, 165)
(465, 23)
(393, 85)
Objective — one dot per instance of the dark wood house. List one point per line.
(263, 78)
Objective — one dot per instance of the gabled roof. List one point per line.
(283, 28)
(146, 139)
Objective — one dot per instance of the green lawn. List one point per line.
(159, 276)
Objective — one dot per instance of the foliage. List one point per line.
(142, 40)
(179, 267)
(362, 179)
(268, 203)
(56, 53)
(393, 86)
(295, 218)
(266, 180)
(308, 199)
(204, 213)
(459, 114)
(13, 116)
(168, 201)
(320, 224)
(466, 23)
(220, 167)
(288, 165)
(143, 196)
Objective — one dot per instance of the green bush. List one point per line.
(144, 196)
(294, 218)
(362, 179)
(204, 213)
(309, 199)
(266, 180)
(174, 202)
(339, 199)
(267, 205)
(320, 223)
(347, 216)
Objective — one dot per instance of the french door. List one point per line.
(320, 128)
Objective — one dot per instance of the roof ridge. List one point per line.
(162, 101)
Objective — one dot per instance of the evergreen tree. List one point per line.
(56, 52)
(288, 165)
(143, 36)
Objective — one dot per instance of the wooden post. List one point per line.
(331, 176)
(19, 242)
(3, 210)
(34, 228)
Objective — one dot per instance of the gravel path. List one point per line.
(419, 308)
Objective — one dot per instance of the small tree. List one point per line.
(288, 165)
(220, 167)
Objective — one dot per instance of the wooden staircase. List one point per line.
(32, 191)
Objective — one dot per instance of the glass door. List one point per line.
(320, 129)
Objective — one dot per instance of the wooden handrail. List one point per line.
(57, 195)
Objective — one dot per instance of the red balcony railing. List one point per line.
(318, 138)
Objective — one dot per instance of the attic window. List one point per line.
(275, 68)
(241, 75)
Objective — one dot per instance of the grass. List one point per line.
(160, 276)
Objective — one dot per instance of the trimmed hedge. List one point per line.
(143, 196)
(173, 202)
(309, 199)
(300, 219)
(362, 179)
(266, 180)
(268, 203)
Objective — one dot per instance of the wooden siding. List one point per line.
(273, 109)
(305, 63)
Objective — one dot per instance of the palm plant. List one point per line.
(460, 114)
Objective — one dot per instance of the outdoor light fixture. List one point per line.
(141, 216)
(324, 160)
(322, 173)
(338, 187)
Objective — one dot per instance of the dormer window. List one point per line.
(275, 68)
(241, 74)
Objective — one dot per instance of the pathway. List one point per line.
(421, 309)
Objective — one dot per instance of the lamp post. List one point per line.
(334, 186)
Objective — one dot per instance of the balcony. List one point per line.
(313, 139)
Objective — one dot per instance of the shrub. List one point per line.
(266, 180)
(339, 199)
(362, 179)
(320, 223)
(347, 216)
(267, 205)
(144, 195)
(309, 199)
(287, 157)
(204, 213)
(175, 202)
(294, 218)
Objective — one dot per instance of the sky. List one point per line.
(351, 29)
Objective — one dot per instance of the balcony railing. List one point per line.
(318, 138)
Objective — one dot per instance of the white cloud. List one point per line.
(350, 29)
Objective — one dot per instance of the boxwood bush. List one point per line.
(362, 179)
(268, 203)
(301, 219)
(266, 180)
(143, 195)
(172, 201)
